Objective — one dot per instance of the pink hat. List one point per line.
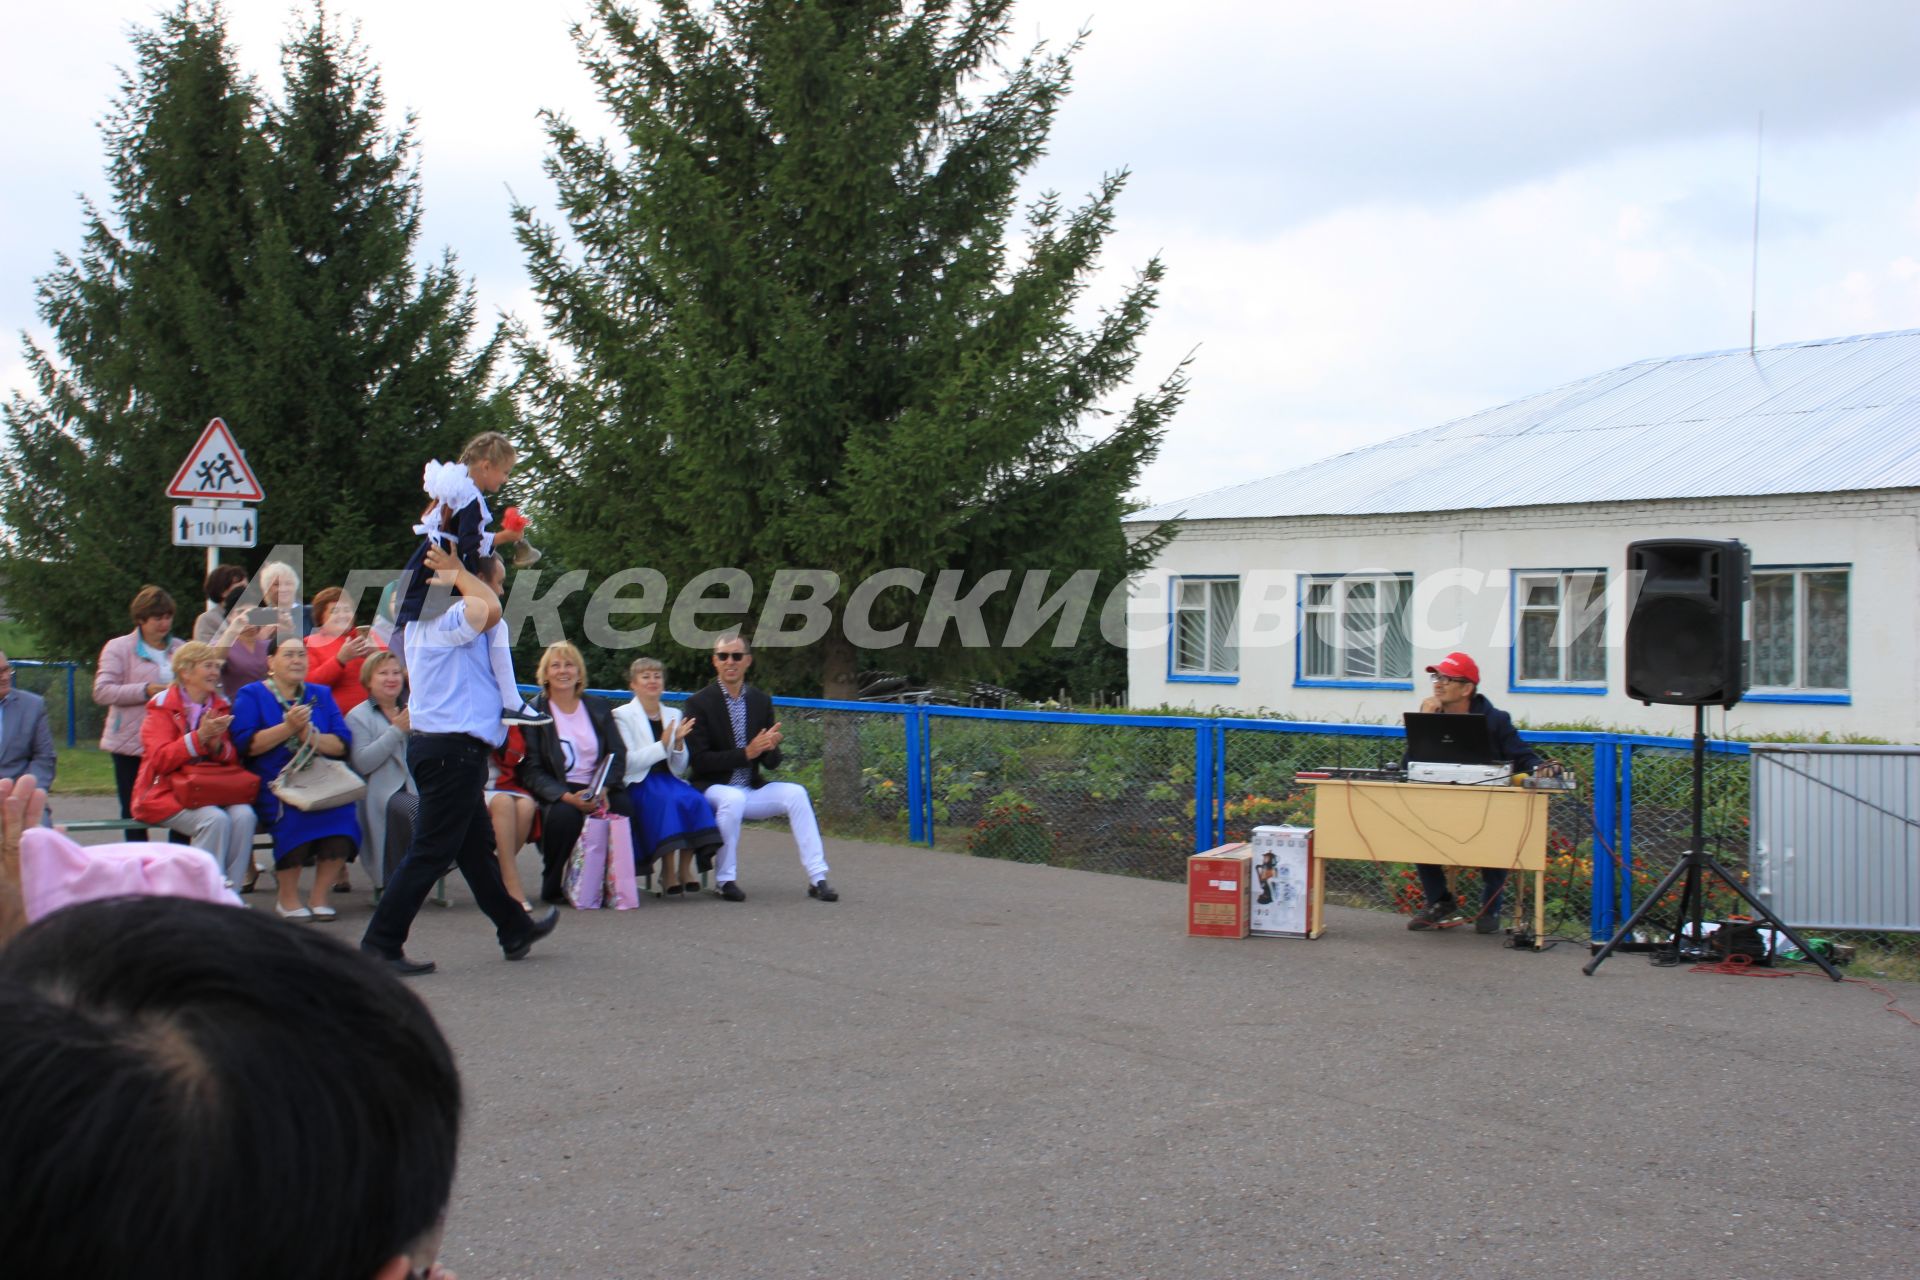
(57, 871)
(1457, 665)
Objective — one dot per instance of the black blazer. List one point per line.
(712, 754)
(544, 772)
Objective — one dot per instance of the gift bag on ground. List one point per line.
(616, 842)
(586, 872)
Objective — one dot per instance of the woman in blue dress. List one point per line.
(672, 821)
(271, 719)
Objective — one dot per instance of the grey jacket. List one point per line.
(26, 740)
(378, 754)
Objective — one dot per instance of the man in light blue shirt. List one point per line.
(456, 725)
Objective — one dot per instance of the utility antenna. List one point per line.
(1753, 272)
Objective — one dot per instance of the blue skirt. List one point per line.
(669, 815)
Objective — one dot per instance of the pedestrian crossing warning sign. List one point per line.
(216, 469)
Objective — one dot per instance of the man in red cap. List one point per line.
(1456, 691)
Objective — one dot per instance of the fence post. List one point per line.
(72, 704)
(924, 766)
(1203, 804)
(916, 788)
(1623, 888)
(1606, 807)
(1219, 784)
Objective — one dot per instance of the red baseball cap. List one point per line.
(1457, 665)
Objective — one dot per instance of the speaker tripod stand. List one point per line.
(1694, 868)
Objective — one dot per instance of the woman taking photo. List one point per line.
(337, 649)
(672, 822)
(561, 760)
(224, 585)
(270, 720)
(379, 726)
(191, 780)
(133, 670)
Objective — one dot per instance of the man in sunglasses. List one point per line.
(1456, 691)
(733, 739)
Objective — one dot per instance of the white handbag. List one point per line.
(312, 781)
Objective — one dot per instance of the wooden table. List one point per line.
(1503, 827)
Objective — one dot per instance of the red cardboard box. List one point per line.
(1220, 892)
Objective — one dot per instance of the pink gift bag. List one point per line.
(585, 878)
(616, 841)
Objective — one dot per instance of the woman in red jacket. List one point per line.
(336, 650)
(191, 779)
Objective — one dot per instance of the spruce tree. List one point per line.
(257, 267)
(786, 328)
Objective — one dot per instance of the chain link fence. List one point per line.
(854, 763)
(1097, 797)
(68, 689)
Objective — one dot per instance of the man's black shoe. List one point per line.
(1489, 923)
(822, 890)
(554, 896)
(400, 964)
(1435, 915)
(731, 892)
(542, 926)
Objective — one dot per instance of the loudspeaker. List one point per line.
(1686, 623)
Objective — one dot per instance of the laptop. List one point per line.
(1438, 738)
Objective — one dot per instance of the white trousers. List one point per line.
(789, 800)
(226, 833)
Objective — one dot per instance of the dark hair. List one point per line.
(164, 1062)
(738, 633)
(151, 602)
(281, 638)
(223, 579)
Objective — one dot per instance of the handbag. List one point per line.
(219, 783)
(312, 781)
(622, 889)
(585, 877)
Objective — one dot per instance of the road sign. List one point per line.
(216, 469)
(215, 527)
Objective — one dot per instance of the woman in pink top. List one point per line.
(133, 670)
(562, 758)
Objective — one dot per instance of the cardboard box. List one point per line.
(1286, 901)
(1220, 892)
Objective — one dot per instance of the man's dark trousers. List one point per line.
(452, 829)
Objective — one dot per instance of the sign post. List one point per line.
(217, 480)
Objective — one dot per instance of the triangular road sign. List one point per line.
(216, 469)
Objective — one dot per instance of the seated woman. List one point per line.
(337, 650)
(511, 810)
(672, 821)
(379, 726)
(270, 719)
(187, 754)
(562, 757)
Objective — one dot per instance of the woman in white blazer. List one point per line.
(673, 822)
(379, 754)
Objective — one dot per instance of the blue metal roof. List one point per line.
(1809, 417)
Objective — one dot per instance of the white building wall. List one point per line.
(1877, 533)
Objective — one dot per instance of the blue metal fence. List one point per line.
(1138, 793)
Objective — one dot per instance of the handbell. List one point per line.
(525, 554)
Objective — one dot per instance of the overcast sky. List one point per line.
(1374, 217)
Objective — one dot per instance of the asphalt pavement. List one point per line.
(971, 1068)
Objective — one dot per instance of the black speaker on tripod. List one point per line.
(1686, 621)
(1686, 644)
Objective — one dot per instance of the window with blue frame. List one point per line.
(1355, 627)
(1561, 617)
(1799, 628)
(1206, 620)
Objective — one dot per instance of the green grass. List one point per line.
(16, 641)
(84, 770)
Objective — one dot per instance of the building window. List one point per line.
(1563, 627)
(1799, 629)
(1355, 628)
(1206, 619)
